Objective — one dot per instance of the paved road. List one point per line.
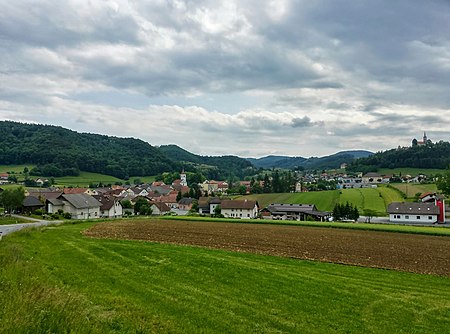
(6, 229)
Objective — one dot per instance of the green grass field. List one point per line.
(55, 280)
(16, 169)
(83, 180)
(7, 220)
(410, 171)
(324, 200)
(411, 189)
(376, 199)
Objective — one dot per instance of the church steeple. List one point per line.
(425, 137)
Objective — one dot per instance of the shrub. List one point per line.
(67, 215)
(38, 212)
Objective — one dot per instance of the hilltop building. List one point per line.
(424, 140)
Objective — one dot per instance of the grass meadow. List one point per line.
(56, 280)
(410, 171)
(411, 189)
(376, 199)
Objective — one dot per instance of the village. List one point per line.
(215, 198)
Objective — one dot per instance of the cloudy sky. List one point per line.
(250, 78)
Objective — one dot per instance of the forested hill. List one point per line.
(214, 167)
(325, 162)
(428, 156)
(58, 152)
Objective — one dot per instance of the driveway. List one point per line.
(6, 229)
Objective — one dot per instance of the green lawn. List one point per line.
(7, 220)
(411, 189)
(55, 280)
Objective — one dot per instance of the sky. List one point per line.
(248, 78)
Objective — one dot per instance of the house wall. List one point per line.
(83, 213)
(412, 219)
(116, 211)
(240, 213)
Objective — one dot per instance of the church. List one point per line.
(424, 140)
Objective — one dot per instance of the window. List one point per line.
(429, 217)
(418, 217)
(406, 217)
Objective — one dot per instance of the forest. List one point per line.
(431, 155)
(57, 151)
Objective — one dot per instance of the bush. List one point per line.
(54, 216)
(67, 215)
(38, 212)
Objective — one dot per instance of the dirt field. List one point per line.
(406, 252)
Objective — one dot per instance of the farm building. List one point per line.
(80, 206)
(414, 213)
(245, 209)
(294, 212)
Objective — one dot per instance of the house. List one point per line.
(413, 213)
(80, 206)
(159, 208)
(185, 203)
(293, 212)
(31, 204)
(207, 205)
(244, 209)
(372, 178)
(111, 206)
(4, 178)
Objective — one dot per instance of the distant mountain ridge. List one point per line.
(325, 162)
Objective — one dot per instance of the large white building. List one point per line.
(413, 213)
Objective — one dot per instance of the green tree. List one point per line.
(12, 199)
(142, 207)
(218, 211)
(443, 183)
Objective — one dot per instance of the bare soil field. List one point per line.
(405, 252)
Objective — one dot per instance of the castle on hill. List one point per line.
(424, 140)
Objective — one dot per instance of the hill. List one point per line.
(427, 156)
(57, 152)
(325, 162)
(214, 167)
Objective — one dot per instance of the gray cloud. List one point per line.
(363, 72)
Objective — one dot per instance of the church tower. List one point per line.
(425, 138)
(183, 178)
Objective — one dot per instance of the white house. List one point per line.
(244, 209)
(80, 206)
(111, 207)
(372, 178)
(413, 213)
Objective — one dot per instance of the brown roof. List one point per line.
(413, 208)
(238, 204)
(74, 190)
(161, 206)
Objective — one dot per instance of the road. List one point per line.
(385, 220)
(6, 229)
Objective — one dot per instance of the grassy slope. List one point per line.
(97, 286)
(324, 200)
(410, 171)
(17, 169)
(375, 199)
(411, 189)
(83, 180)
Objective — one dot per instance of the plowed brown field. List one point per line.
(406, 252)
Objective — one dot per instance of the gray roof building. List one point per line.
(413, 208)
